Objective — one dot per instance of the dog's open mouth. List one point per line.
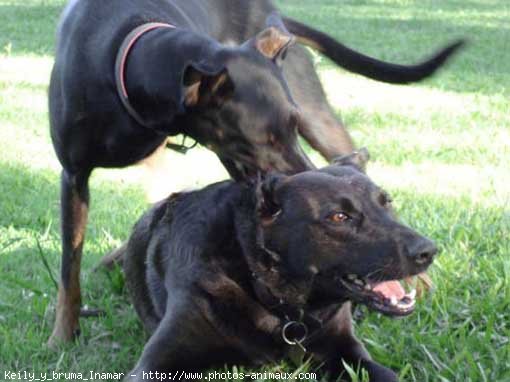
(387, 297)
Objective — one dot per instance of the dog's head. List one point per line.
(336, 227)
(245, 112)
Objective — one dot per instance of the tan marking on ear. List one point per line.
(192, 95)
(271, 41)
(218, 82)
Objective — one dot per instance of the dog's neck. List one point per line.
(120, 64)
(273, 286)
(285, 296)
(154, 72)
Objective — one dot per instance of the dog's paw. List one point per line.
(379, 373)
(62, 335)
(67, 326)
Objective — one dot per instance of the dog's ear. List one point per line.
(267, 204)
(357, 159)
(203, 87)
(274, 41)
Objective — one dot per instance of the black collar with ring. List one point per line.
(295, 333)
(298, 325)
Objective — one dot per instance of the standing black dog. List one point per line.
(234, 273)
(129, 73)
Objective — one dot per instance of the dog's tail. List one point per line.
(367, 66)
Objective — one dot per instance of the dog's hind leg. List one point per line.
(74, 195)
(115, 257)
(319, 126)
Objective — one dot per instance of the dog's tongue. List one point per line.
(390, 289)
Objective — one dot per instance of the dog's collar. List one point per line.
(287, 311)
(290, 314)
(120, 65)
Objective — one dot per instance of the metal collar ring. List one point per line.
(288, 326)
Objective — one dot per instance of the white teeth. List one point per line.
(352, 277)
(403, 305)
(412, 294)
(368, 287)
(393, 300)
(359, 282)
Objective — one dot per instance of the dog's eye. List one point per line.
(339, 217)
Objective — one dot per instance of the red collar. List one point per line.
(120, 64)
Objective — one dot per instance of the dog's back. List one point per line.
(135, 265)
(202, 217)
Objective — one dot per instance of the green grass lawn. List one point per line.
(441, 148)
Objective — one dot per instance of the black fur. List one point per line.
(209, 78)
(215, 273)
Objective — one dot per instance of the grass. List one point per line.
(440, 147)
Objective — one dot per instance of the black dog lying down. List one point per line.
(233, 273)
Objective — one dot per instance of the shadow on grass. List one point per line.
(30, 233)
(30, 201)
(29, 214)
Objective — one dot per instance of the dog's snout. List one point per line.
(422, 250)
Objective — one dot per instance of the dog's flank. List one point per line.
(227, 274)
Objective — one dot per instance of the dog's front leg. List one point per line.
(163, 351)
(182, 342)
(337, 343)
(74, 195)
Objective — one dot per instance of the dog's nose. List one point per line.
(422, 250)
